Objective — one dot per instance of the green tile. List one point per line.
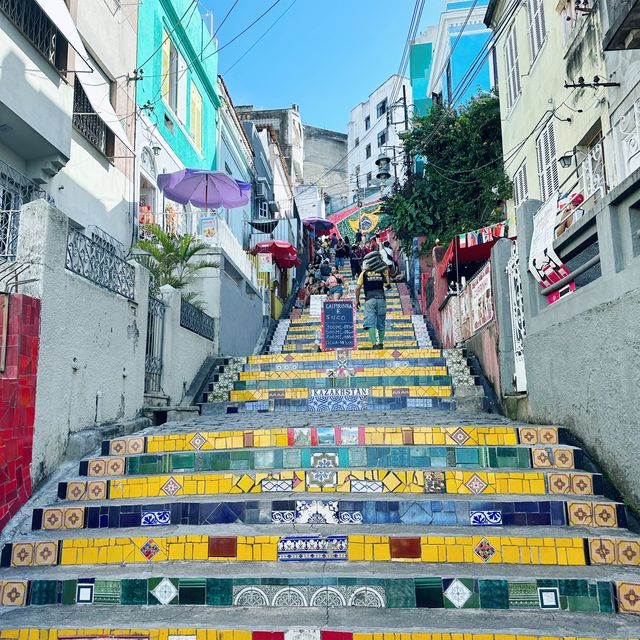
(182, 461)
(582, 603)
(494, 594)
(133, 592)
(573, 587)
(193, 591)
(429, 593)
(605, 597)
(473, 602)
(263, 459)
(291, 459)
(219, 592)
(106, 592)
(44, 592)
(69, 591)
(400, 593)
(523, 595)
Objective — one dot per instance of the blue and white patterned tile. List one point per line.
(269, 485)
(316, 512)
(283, 516)
(367, 486)
(312, 548)
(155, 518)
(486, 518)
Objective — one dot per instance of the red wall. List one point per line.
(17, 401)
(440, 288)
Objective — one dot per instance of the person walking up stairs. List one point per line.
(374, 279)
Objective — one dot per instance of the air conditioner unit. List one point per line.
(261, 190)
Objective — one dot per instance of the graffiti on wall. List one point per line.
(481, 298)
(365, 218)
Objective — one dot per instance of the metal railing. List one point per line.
(33, 22)
(93, 261)
(155, 340)
(196, 320)
(9, 228)
(626, 135)
(87, 121)
(225, 240)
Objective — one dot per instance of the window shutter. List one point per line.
(547, 163)
(166, 63)
(520, 187)
(182, 89)
(196, 116)
(513, 69)
(537, 32)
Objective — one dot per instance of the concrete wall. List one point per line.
(325, 163)
(183, 350)
(582, 353)
(92, 341)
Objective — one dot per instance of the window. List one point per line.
(357, 142)
(227, 169)
(367, 151)
(196, 116)
(520, 186)
(369, 179)
(513, 69)
(174, 78)
(367, 123)
(89, 123)
(382, 138)
(381, 108)
(537, 33)
(547, 162)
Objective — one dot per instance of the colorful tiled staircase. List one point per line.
(290, 524)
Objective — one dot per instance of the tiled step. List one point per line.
(553, 550)
(321, 435)
(416, 456)
(573, 595)
(359, 372)
(376, 481)
(366, 380)
(356, 356)
(429, 511)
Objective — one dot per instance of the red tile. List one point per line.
(268, 635)
(404, 547)
(336, 635)
(223, 547)
(247, 439)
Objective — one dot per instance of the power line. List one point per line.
(273, 24)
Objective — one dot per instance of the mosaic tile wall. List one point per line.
(17, 401)
(354, 512)
(562, 551)
(429, 592)
(243, 634)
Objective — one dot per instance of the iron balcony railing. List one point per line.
(32, 21)
(89, 123)
(154, 346)
(9, 227)
(99, 264)
(196, 320)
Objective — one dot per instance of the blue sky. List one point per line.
(325, 55)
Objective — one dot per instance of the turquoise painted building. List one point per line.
(420, 60)
(178, 91)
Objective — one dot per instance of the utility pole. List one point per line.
(406, 128)
(359, 199)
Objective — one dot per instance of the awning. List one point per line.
(98, 92)
(264, 226)
(462, 255)
(58, 13)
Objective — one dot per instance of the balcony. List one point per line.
(624, 25)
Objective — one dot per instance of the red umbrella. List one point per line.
(284, 254)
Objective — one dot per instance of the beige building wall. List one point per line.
(533, 96)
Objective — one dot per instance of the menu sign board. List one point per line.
(338, 325)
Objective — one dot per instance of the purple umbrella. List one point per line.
(319, 224)
(204, 189)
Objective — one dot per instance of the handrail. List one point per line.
(572, 276)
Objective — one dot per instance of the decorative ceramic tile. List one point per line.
(324, 460)
(149, 549)
(459, 436)
(581, 484)
(528, 435)
(548, 435)
(302, 635)
(367, 486)
(312, 548)
(316, 512)
(628, 552)
(52, 518)
(223, 547)
(484, 550)
(74, 518)
(76, 490)
(171, 487)
(269, 485)
(155, 518)
(350, 435)
(475, 484)
(602, 551)
(97, 467)
(321, 478)
(522, 594)
(485, 518)
(165, 592)
(135, 445)
(107, 592)
(563, 458)
(628, 597)
(14, 593)
(405, 548)
(198, 441)
(435, 482)
(118, 446)
(116, 467)
(559, 483)
(45, 553)
(97, 489)
(283, 516)
(84, 592)
(22, 554)
(458, 593)
(549, 598)
(605, 515)
(541, 459)
(580, 513)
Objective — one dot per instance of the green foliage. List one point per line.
(464, 182)
(170, 259)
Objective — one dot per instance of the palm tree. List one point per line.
(169, 258)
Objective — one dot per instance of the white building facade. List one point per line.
(374, 128)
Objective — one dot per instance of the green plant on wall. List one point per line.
(170, 259)
(464, 184)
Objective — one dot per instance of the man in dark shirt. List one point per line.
(374, 279)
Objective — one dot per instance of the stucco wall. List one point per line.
(92, 341)
(325, 162)
(183, 350)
